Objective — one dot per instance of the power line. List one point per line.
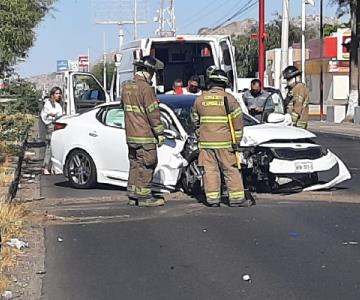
(242, 10)
(228, 12)
(203, 11)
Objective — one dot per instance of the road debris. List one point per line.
(16, 243)
(294, 234)
(6, 295)
(350, 243)
(41, 272)
(204, 230)
(247, 278)
(60, 239)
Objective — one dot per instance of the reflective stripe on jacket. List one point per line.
(142, 113)
(210, 117)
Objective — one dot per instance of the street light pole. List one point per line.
(303, 36)
(261, 40)
(284, 38)
(321, 62)
(303, 16)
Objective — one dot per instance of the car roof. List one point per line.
(177, 101)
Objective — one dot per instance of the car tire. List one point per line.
(81, 169)
(189, 181)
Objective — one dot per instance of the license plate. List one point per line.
(303, 167)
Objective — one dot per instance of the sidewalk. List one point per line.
(344, 129)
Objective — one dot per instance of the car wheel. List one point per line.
(190, 179)
(81, 169)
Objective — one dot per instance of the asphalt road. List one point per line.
(347, 150)
(290, 249)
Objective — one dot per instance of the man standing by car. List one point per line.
(217, 152)
(144, 131)
(297, 98)
(255, 98)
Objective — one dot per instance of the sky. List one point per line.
(71, 30)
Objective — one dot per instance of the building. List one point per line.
(334, 64)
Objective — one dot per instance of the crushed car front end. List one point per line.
(279, 158)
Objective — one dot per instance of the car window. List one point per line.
(114, 117)
(111, 116)
(86, 88)
(274, 103)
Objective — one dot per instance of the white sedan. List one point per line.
(91, 147)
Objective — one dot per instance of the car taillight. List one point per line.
(58, 126)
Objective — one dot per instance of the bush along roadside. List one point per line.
(14, 129)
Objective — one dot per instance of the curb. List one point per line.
(337, 134)
(323, 196)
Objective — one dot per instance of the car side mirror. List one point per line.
(275, 118)
(170, 134)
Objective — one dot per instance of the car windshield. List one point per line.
(184, 116)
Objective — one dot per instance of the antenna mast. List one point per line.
(166, 19)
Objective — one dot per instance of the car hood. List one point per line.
(262, 133)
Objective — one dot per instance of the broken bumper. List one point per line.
(328, 163)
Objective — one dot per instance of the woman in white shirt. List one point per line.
(51, 111)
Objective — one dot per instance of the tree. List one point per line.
(329, 29)
(344, 7)
(247, 49)
(18, 19)
(26, 95)
(98, 71)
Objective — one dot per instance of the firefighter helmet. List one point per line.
(291, 72)
(150, 63)
(211, 69)
(219, 76)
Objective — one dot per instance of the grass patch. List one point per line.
(11, 225)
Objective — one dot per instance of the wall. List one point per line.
(336, 87)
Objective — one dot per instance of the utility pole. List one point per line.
(166, 17)
(284, 38)
(354, 84)
(303, 36)
(120, 24)
(261, 40)
(321, 62)
(303, 49)
(104, 61)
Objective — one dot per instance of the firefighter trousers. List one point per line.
(215, 162)
(143, 161)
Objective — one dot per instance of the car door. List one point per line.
(274, 104)
(86, 92)
(111, 147)
(109, 144)
(170, 160)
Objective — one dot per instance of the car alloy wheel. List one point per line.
(81, 169)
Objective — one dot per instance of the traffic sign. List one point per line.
(73, 65)
(83, 61)
(62, 65)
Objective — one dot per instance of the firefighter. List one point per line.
(297, 98)
(217, 153)
(144, 131)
